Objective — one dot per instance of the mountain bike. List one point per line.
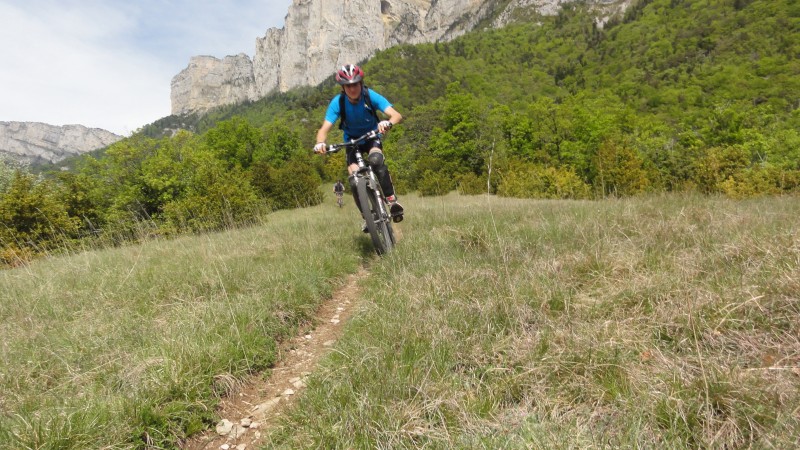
(340, 199)
(371, 200)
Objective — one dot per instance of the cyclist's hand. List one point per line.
(384, 126)
(320, 148)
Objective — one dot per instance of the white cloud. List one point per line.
(108, 64)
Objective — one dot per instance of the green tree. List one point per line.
(78, 193)
(215, 197)
(235, 141)
(33, 219)
(118, 175)
(460, 144)
(619, 169)
(295, 184)
(279, 143)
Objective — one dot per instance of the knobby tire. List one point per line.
(385, 224)
(381, 234)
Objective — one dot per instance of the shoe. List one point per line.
(395, 208)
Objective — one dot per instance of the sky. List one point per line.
(109, 63)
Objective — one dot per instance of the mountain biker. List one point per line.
(354, 106)
(338, 189)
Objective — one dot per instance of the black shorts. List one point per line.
(364, 148)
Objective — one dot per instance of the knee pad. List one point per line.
(375, 159)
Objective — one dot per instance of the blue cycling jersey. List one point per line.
(360, 121)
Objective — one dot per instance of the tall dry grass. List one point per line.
(669, 321)
(133, 346)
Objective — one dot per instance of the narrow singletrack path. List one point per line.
(259, 402)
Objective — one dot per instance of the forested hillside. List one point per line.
(676, 95)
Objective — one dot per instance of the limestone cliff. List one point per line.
(38, 143)
(320, 35)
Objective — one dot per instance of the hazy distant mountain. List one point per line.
(38, 143)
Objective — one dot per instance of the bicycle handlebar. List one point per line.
(333, 148)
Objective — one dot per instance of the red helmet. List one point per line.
(349, 74)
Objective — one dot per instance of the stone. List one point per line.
(237, 431)
(224, 427)
(264, 408)
(37, 143)
(318, 36)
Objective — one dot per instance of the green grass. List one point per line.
(114, 348)
(666, 321)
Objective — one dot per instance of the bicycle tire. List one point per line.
(370, 210)
(385, 224)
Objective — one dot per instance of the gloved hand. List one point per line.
(384, 126)
(320, 148)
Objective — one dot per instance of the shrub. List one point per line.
(756, 182)
(435, 183)
(718, 165)
(296, 184)
(335, 167)
(471, 184)
(215, 199)
(620, 170)
(534, 181)
(13, 256)
(32, 218)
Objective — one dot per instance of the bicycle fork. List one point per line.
(368, 176)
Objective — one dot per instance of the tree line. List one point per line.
(676, 95)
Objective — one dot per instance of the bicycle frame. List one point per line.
(374, 211)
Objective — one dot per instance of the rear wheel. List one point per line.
(378, 223)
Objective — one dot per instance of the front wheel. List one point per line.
(377, 218)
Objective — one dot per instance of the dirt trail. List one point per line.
(251, 410)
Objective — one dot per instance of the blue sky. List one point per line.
(108, 64)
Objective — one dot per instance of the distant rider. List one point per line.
(338, 189)
(360, 105)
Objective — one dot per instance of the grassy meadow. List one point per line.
(666, 321)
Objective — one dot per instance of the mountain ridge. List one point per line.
(37, 142)
(319, 35)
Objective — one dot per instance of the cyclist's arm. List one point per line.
(322, 134)
(385, 106)
(332, 114)
(394, 116)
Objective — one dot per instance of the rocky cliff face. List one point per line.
(38, 143)
(320, 35)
